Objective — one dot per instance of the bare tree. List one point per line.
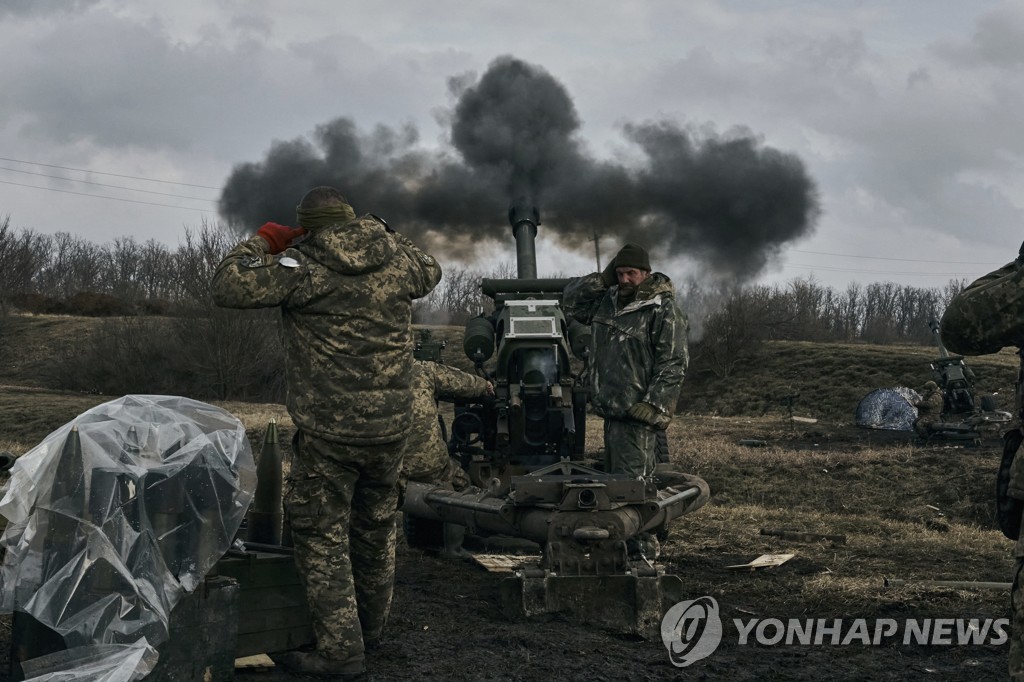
(123, 269)
(729, 335)
(23, 254)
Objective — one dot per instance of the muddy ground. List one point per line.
(930, 520)
(447, 621)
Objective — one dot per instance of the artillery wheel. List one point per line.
(422, 533)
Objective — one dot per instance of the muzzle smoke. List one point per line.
(726, 200)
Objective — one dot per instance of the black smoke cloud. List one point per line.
(726, 200)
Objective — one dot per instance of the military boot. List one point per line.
(454, 534)
(312, 663)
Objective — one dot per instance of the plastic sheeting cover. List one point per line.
(113, 516)
(890, 409)
(99, 663)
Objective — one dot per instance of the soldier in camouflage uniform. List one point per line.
(929, 409)
(985, 317)
(639, 356)
(345, 287)
(426, 458)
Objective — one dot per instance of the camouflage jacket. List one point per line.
(345, 294)
(425, 450)
(929, 408)
(988, 315)
(640, 352)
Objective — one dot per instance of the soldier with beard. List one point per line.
(639, 356)
(345, 287)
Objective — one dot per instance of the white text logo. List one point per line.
(691, 630)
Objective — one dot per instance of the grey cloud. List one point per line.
(834, 55)
(916, 136)
(918, 77)
(112, 82)
(36, 8)
(997, 41)
(121, 84)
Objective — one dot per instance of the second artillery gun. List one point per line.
(524, 449)
(964, 412)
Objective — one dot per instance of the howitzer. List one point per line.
(962, 411)
(523, 450)
(538, 413)
(953, 376)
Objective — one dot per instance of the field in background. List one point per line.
(908, 511)
(827, 380)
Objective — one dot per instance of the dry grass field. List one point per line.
(909, 511)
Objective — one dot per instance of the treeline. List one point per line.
(730, 324)
(64, 273)
(163, 334)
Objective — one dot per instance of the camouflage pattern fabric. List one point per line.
(425, 453)
(929, 411)
(889, 409)
(345, 294)
(341, 501)
(629, 447)
(640, 352)
(639, 355)
(988, 315)
(985, 317)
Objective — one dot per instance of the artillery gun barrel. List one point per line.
(526, 251)
(934, 326)
(524, 221)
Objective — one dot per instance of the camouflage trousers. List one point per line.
(629, 447)
(448, 473)
(1016, 662)
(341, 501)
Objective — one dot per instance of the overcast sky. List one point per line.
(906, 115)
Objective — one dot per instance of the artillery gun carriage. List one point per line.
(524, 451)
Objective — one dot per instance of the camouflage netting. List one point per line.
(117, 514)
(890, 409)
